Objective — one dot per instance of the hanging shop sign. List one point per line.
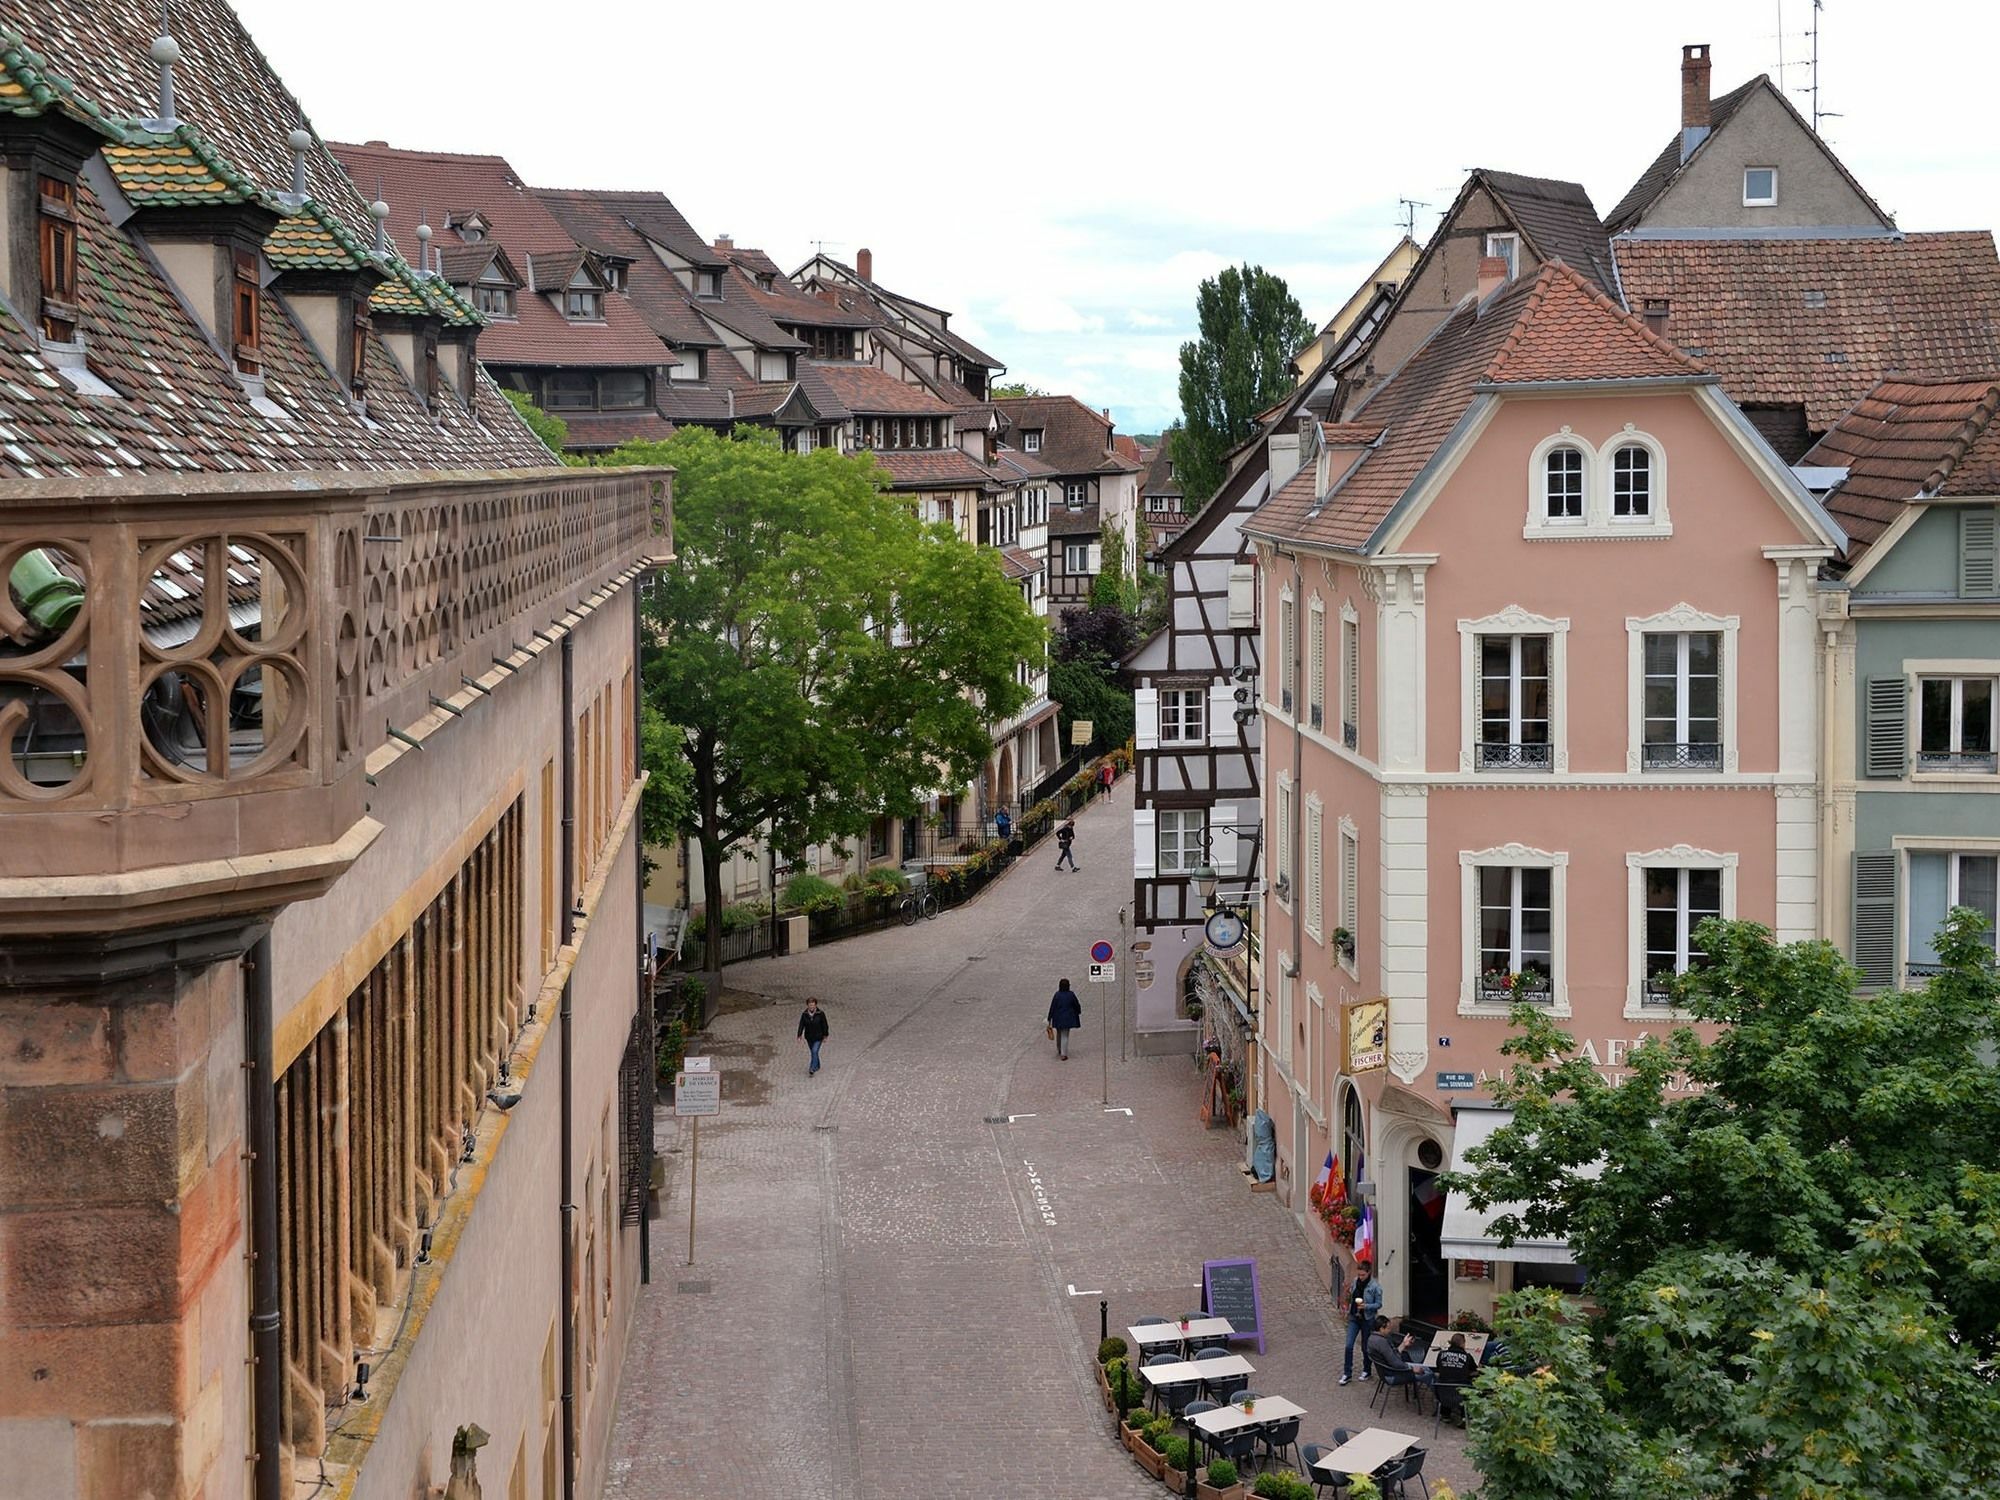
(1365, 1038)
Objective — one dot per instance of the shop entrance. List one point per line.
(1429, 1280)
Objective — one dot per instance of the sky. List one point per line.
(1062, 176)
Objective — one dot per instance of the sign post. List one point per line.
(697, 1092)
(1121, 990)
(1100, 955)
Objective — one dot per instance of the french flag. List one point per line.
(1364, 1235)
(1325, 1173)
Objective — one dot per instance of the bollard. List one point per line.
(1103, 1320)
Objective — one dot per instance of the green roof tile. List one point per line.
(411, 292)
(28, 88)
(176, 167)
(311, 239)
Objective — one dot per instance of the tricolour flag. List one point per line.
(1325, 1173)
(1364, 1235)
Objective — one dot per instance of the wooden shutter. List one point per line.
(1887, 752)
(1145, 844)
(1146, 718)
(1977, 576)
(1875, 919)
(1314, 871)
(1350, 675)
(1350, 877)
(1225, 844)
(1222, 726)
(1242, 595)
(1316, 668)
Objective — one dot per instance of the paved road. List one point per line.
(880, 1302)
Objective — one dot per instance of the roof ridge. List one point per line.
(1962, 440)
(29, 86)
(1556, 270)
(416, 151)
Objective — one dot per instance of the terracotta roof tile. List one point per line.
(933, 468)
(1017, 563)
(1907, 439)
(1075, 439)
(1570, 330)
(1818, 321)
(868, 391)
(609, 429)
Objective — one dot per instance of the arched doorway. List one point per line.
(1007, 790)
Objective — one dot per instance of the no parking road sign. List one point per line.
(1100, 952)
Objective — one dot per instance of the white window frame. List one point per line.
(1076, 493)
(1511, 253)
(1076, 559)
(1682, 857)
(1031, 440)
(1585, 466)
(1957, 672)
(1183, 859)
(1189, 716)
(1281, 823)
(1750, 202)
(1979, 848)
(1597, 523)
(1350, 892)
(1314, 874)
(1521, 857)
(1683, 618)
(1513, 620)
(1281, 1055)
(1316, 664)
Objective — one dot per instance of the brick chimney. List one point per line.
(1492, 275)
(1655, 315)
(864, 264)
(724, 244)
(1694, 97)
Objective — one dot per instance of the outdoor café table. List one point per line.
(1475, 1344)
(1147, 1334)
(1364, 1453)
(1232, 1417)
(1197, 1369)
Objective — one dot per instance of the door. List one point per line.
(1430, 1290)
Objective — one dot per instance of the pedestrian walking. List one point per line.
(1065, 1015)
(812, 1031)
(1066, 841)
(1106, 774)
(1002, 824)
(1364, 1303)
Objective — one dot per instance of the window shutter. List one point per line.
(1350, 674)
(1242, 596)
(1222, 728)
(1146, 718)
(1313, 883)
(1096, 556)
(1977, 576)
(1875, 919)
(1888, 748)
(1350, 877)
(1316, 668)
(1225, 844)
(1145, 844)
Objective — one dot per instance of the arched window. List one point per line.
(1631, 483)
(1563, 471)
(1351, 1141)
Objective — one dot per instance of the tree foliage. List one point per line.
(1084, 673)
(1250, 326)
(1016, 390)
(553, 431)
(801, 713)
(1794, 1240)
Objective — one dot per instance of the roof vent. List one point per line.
(1815, 299)
(424, 245)
(1655, 314)
(300, 140)
(166, 52)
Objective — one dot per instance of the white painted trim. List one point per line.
(1799, 898)
(1315, 683)
(1281, 855)
(1513, 620)
(1799, 670)
(1915, 669)
(1514, 856)
(1538, 521)
(1597, 522)
(1904, 845)
(1682, 857)
(1682, 618)
(1401, 717)
(1305, 1080)
(1347, 906)
(1402, 923)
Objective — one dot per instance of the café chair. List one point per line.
(1322, 1485)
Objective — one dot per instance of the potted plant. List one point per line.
(1177, 1453)
(1281, 1484)
(1343, 942)
(1146, 1446)
(1219, 1482)
(1108, 1350)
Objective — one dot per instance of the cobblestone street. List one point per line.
(895, 1284)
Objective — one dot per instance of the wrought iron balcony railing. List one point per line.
(1692, 755)
(1494, 755)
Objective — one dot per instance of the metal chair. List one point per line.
(1312, 1453)
(1448, 1399)
(1225, 1388)
(1277, 1437)
(1153, 1361)
(1409, 1466)
(1341, 1436)
(1391, 1380)
(1188, 1413)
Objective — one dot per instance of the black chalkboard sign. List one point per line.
(1229, 1290)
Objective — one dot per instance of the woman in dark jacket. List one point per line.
(1065, 1015)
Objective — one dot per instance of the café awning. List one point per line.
(1468, 1233)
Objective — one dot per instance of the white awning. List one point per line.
(1468, 1232)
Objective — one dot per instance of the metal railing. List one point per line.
(1963, 761)
(1503, 756)
(1691, 755)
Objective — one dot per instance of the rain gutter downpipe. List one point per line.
(645, 1007)
(567, 1149)
(261, 1139)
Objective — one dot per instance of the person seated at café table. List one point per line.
(1456, 1366)
(1391, 1356)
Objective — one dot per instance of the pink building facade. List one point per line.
(1540, 693)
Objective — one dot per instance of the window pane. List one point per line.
(1976, 714)
(1934, 717)
(1704, 894)
(1663, 889)
(1534, 656)
(1704, 653)
(1976, 879)
(1662, 655)
(1930, 876)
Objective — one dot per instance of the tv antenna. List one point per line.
(1818, 114)
(1409, 216)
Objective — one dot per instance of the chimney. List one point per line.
(724, 244)
(1655, 315)
(864, 264)
(1492, 275)
(1694, 97)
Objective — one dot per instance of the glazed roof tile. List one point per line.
(171, 168)
(1818, 321)
(1906, 440)
(311, 239)
(30, 89)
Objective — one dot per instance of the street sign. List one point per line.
(1101, 952)
(1103, 973)
(696, 1065)
(1082, 731)
(698, 1094)
(1457, 1081)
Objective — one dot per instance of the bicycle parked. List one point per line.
(922, 902)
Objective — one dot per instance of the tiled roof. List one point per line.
(465, 264)
(784, 302)
(29, 89)
(684, 402)
(1026, 465)
(868, 391)
(1552, 326)
(819, 392)
(1652, 182)
(1075, 439)
(175, 167)
(604, 223)
(1159, 479)
(933, 468)
(1818, 321)
(1018, 563)
(310, 239)
(1082, 521)
(905, 315)
(554, 270)
(1907, 439)
(1559, 220)
(609, 429)
(408, 291)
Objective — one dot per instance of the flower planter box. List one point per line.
(1128, 1435)
(1206, 1491)
(1150, 1459)
(1176, 1481)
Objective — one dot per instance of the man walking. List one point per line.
(1003, 825)
(1364, 1301)
(1066, 840)
(1065, 1015)
(812, 1031)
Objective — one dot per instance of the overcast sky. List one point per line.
(1062, 176)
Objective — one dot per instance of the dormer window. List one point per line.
(690, 367)
(766, 281)
(708, 283)
(583, 305)
(471, 229)
(1031, 440)
(1508, 248)
(58, 229)
(248, 302)
(494, 301)
(614, 275)
(1760, 187)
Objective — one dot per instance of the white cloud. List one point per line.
(1140, 319)
(1032, 312)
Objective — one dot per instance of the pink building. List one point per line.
(1540, 692)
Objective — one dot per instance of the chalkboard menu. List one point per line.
(1229, 1290)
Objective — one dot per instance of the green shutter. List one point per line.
(1887, 752)
(1875, 919)
(1977, 575)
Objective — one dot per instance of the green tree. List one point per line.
(1085, 679)
(1793, 1236)
(804, 711)
(553, 431)
(1015, 390)
(1250, 325)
